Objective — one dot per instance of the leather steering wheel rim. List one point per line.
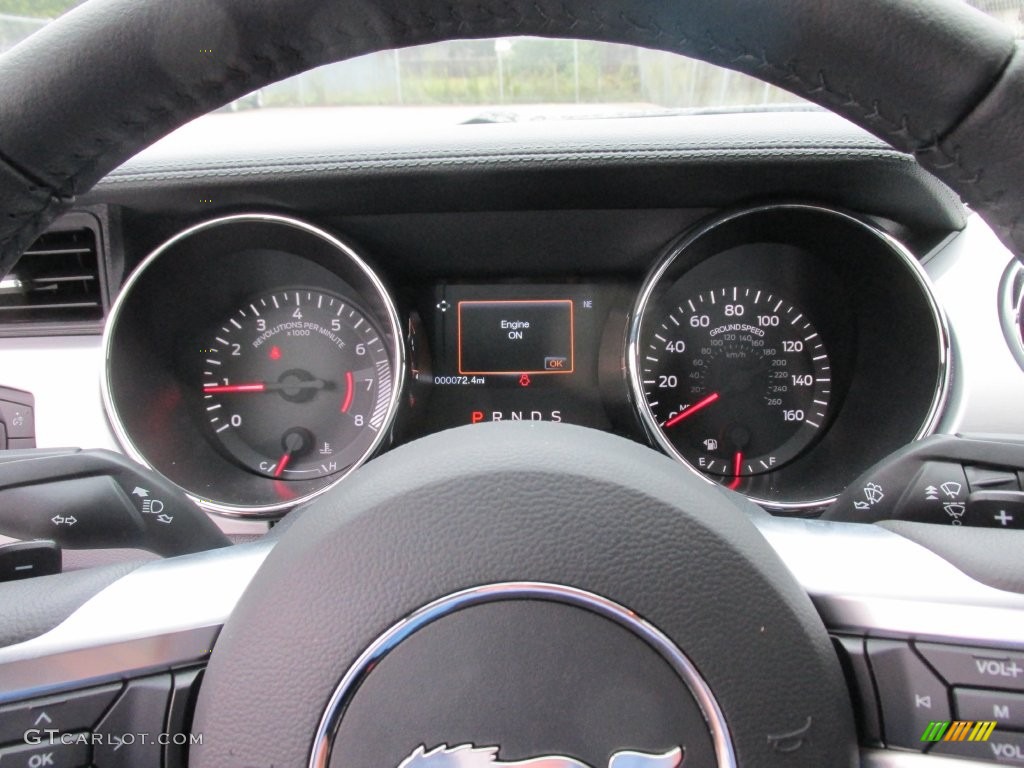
(937, 79)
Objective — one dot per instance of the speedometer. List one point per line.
(759, 344)
(736, 380)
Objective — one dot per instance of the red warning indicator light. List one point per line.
(524, 380)
(275, 353)
(476, 417)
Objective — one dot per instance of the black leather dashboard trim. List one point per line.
(468, 161)
(667, 161)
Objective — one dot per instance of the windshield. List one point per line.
(505, 79)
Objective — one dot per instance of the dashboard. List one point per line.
(776, 329)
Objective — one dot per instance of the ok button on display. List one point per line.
(47, 755)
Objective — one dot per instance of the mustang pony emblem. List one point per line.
(468, 756)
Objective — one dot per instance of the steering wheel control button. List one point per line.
(1001, 747)
(141, 712)
(77, 711)
(529, 672)
(996, 509)
(976, 667)
(978, 704)
(18, 419)
(17, 412)
(912, 696)
(69, 751)
(25, 559)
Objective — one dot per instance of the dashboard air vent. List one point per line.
(1011, 309)
(56, 285)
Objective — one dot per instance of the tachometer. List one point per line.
(296, 384)
(735, 380)
(279, 374)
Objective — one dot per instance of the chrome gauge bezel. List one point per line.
(659, 272)
(386, 314)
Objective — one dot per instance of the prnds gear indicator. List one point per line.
(516, 337)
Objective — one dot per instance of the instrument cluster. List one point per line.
(256, 360)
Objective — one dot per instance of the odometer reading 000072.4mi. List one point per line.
(737, 380)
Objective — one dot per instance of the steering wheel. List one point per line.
(506, 593)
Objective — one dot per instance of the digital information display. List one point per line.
(516, 337)
(518, 352)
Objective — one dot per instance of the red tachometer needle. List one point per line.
(691, 410)
(282, 464)
(260, 387)
(288, 384)
(348, 392)
(737, 461)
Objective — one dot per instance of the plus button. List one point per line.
(1003, 518)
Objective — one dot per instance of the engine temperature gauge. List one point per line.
(296, 384)
(736, 381)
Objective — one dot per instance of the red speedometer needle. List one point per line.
(282, 464)
(691, 410)
(737, 461)
(214, 389)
